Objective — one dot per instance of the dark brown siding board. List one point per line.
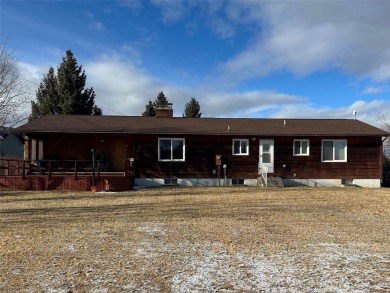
(363, 160)
(78, 147)
(199, 161)
(364, 155)
(118, 183)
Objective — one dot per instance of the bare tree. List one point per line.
(385, 121)
(13, 90)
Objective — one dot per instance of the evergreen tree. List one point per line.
(192, 109)
(149, 110)
(150, 107)
(65, 93)
(48, 100)
(160, 99)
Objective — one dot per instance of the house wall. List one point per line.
(111, 150)
(363, 156)
(363, 159)
(199, 162)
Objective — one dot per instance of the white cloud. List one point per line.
(373, 90)
(303, 37)
(125, 88)
(134, 5)
(222, 28)
(173, 10)
(368, 112)
(382, 73)
(134, 52)
(92, 23)
(120, 85)
(246, 104)
(31, 76)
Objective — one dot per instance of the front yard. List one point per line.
(240, 239)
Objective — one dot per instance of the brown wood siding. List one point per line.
(78, 147)
(199, 161)
(363, 155)
(82, 183)
(44, 183)
(363, 160)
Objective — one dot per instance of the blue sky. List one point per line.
(289, 59)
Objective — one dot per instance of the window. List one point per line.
(334, 150)
(170, 181)
(301, 147)
(237, 181)
(240, 147)
(171, 149)
(36, 149)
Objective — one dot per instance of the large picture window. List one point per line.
(334, 150)
(240, 147)
(301, 147)
(171, 149)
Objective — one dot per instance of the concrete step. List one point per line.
(273, 181)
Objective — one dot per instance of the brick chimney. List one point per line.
(164, 110)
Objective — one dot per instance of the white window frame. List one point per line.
(334, 140)
(171, 159)
(300, 147)
(241, 152)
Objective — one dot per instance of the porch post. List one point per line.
(75, 170)
(49, 169)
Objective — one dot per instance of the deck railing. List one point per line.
(262, 172)
(9, 167)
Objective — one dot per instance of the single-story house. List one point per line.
(166, 150)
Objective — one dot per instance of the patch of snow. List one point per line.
(154, 230)
(72, 248)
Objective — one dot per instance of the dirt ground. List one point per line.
(237, 239)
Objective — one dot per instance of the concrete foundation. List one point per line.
(150, 182)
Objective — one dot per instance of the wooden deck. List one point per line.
(61, 175)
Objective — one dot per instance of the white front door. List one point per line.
(267, 154)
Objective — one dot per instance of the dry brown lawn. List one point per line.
(240, 239)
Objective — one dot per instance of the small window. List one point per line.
(171, 149)
(347, 181)
(170, 181)
(237, 181)
(301, 147)
(334, 150)
(240, 147)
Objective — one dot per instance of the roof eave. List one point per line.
(208, 133)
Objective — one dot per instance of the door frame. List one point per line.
(270, 165)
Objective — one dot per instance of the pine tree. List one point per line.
(160, 99)
(150, 107)
(149, 110)
(48, 99)
(192, 109)
(65, 93)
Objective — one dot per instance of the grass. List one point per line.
(240, 239)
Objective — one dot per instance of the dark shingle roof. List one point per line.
(202, 126)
